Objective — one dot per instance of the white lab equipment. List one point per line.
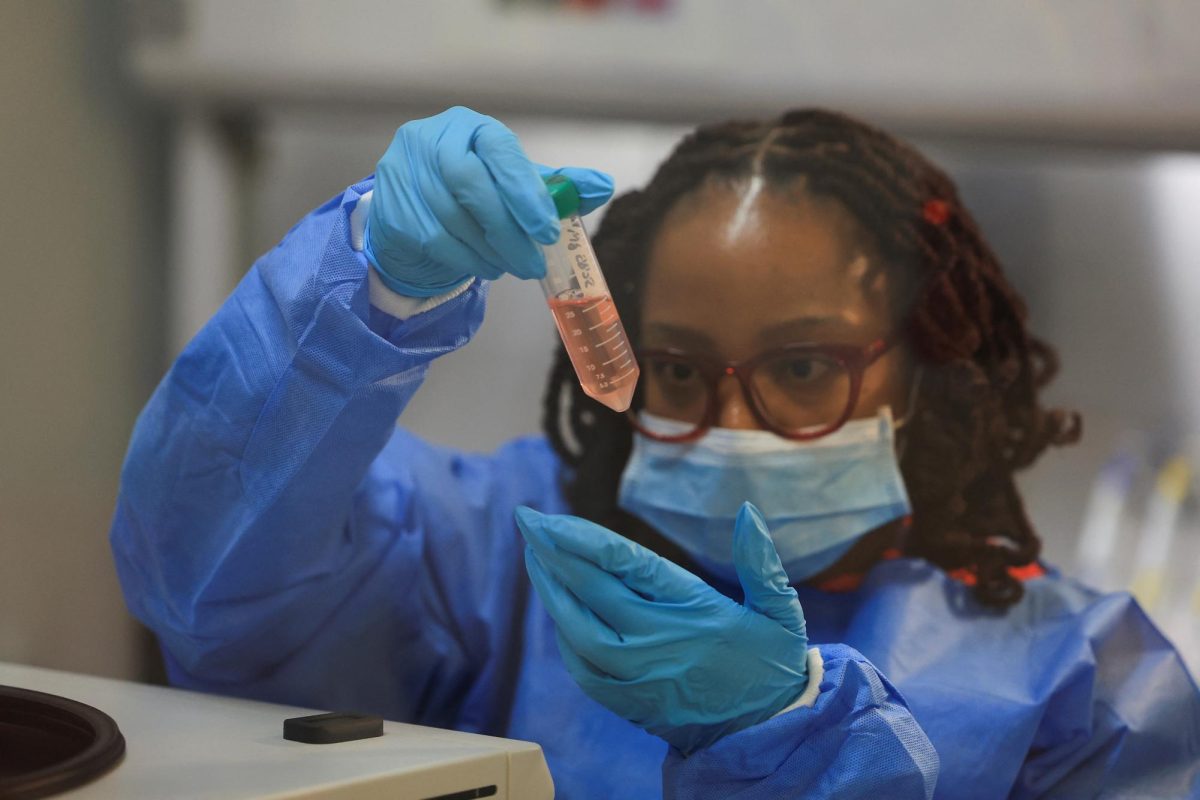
(181, 744)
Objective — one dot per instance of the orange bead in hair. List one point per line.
(935, 212)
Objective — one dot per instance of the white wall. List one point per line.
(79, 322)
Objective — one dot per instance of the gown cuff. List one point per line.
(808, 698)
(383, 298)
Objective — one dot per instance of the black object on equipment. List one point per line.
(331, 728)
(49, 744)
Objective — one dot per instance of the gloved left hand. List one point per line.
(659, 646)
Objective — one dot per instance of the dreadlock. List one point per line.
(977, 418)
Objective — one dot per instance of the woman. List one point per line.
(822, 331)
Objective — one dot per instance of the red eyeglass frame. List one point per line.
(854, 358)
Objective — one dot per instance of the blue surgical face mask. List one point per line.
(818, 497)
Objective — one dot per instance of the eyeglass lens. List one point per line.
(792, 391)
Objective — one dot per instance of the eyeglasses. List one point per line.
(798, 391)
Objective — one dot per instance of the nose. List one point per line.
(733, 407)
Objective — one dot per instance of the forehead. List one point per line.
(747, 263)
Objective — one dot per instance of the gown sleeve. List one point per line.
(1069, 694)
(274, 528)
(1122, 716)
(857, 740)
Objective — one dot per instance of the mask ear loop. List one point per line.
(901, 543)
(910, 411)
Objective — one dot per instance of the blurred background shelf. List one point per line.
(1077, 70)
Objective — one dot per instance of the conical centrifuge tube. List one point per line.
(583, 307)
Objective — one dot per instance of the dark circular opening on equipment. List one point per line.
(49, 744)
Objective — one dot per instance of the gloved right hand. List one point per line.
(455, 197)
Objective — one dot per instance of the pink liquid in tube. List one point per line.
(599, 350)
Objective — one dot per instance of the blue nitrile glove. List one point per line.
(659, 646)
(455, 196)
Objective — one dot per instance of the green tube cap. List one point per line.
(564, 194)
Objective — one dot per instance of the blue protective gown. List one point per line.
(287, 542)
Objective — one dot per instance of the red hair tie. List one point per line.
(936, 212)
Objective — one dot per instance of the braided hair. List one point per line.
(977, 417)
